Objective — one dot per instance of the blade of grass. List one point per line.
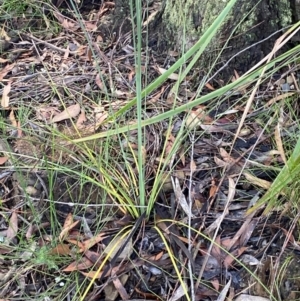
(201, 44)
(183, 284)
(289, 173)
(139, 97)
(214, 94)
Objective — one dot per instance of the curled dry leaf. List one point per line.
(70, 112)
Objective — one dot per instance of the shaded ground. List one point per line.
(57, 219)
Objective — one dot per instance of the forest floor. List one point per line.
(65, 204)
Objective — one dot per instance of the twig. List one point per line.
(49, 44)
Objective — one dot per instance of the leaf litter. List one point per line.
(60, 84)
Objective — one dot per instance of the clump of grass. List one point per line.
(116, 160)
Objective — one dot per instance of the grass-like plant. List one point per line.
(121, 175)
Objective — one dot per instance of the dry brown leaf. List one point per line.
(5, 249)
(220, 162)
(157, 256)
(4, 35)
(34, 228)
(5, 70)
(193, 166)
(13, 226)
(110, 292)
(68, 221)
(100, 117)
(231, 190)
(172, 76)
(66, 22)
(169, 144)
(60, 249)
(209, 86)
(70, 112)
(115, 245)
(5, 97)
(162, 225)
(279, 143)
(92, 274)
(12, 118)
(241, 236)
(87, 244)
(180, 197)
(119, 285)
(244, 297)
(2, 61)
(228, 261)
(29, 231)
(93, 257)
(79, 265)
(90, 25)
(257, 181)
(180, 292)
(65, 231)
(216, 284)
(279, 97)
(226, 156)
(216, 251)
(3, 160)
(75, 242)
(99, 82)
(213, 189)
(46, 113)
(197, 118)
(182, 156)
(81, 120)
